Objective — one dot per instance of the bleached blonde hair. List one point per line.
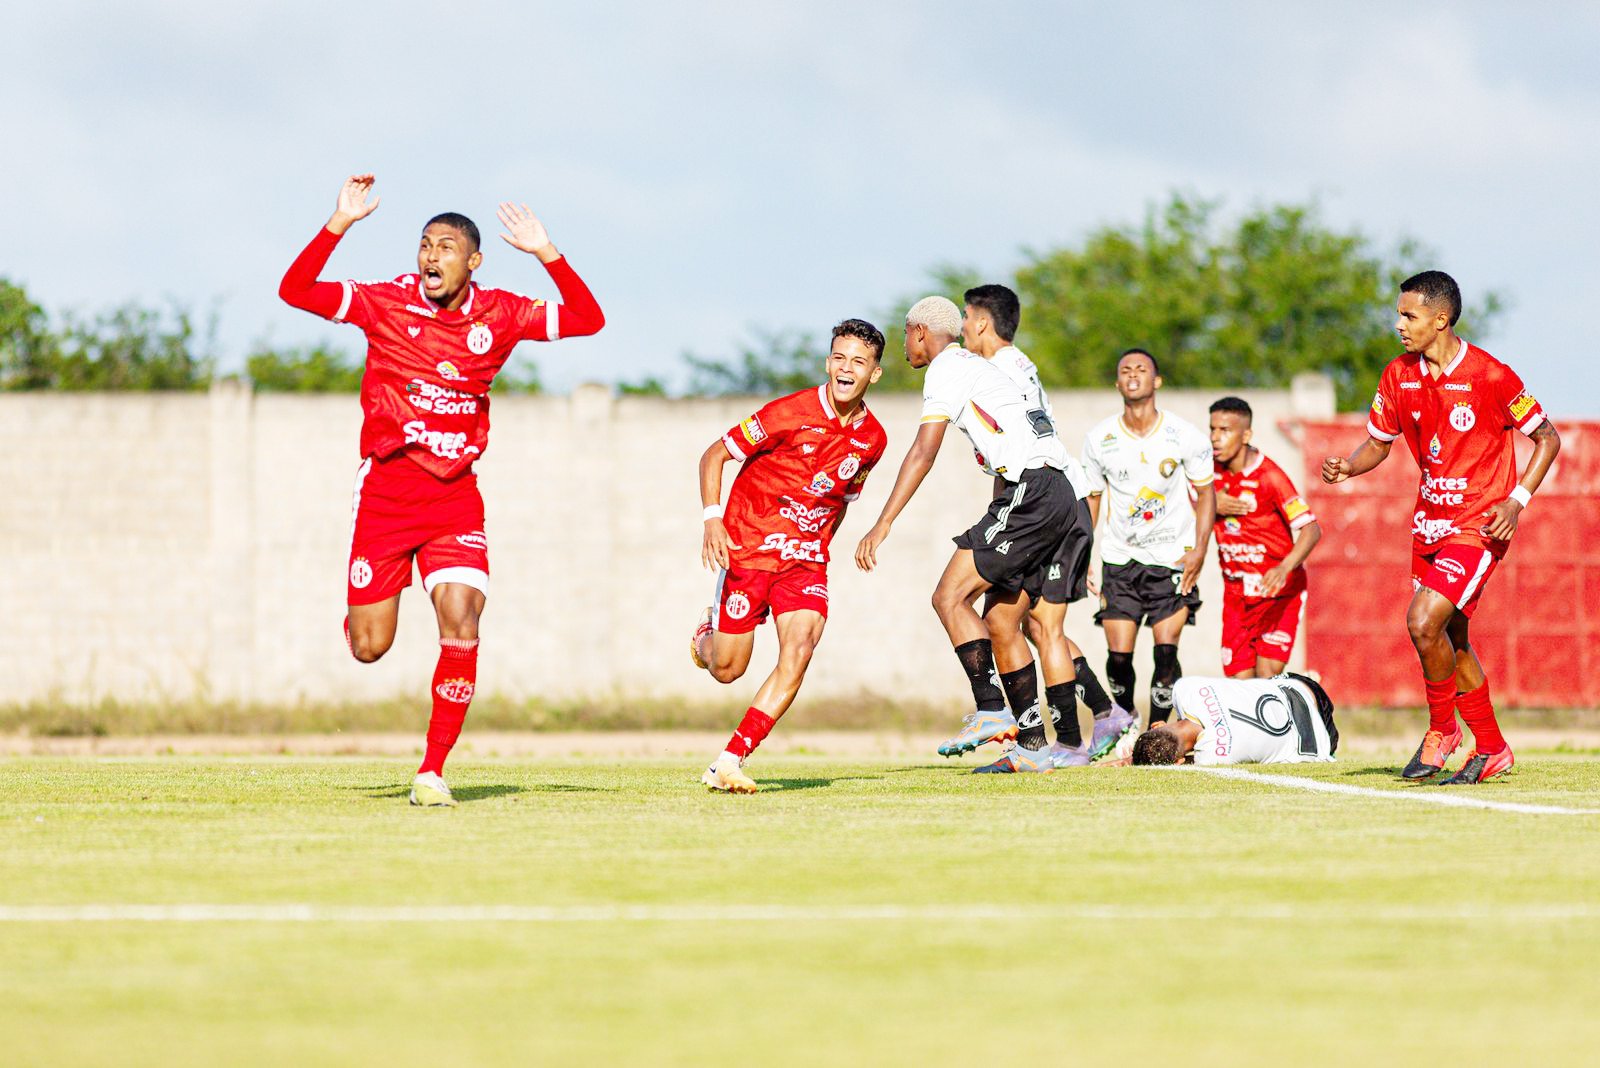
(938, 314)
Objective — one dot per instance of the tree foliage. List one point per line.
(312, 369)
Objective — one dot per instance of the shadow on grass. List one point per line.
(473, 793)
(784, 785)
(1388, 774)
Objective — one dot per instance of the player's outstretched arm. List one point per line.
(714, 544)
(1368, 454)
(913, 469)
(300, 287)
(353, 205)
(1304, 542)
(579, 314)
(1502, 517)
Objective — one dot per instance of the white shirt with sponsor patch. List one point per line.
(1145, 480)
(1009, 434)
(1253, 721)
(1015, 363)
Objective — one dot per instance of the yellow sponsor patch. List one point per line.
(1522, 406)
(1294, 508)
(753, 431)
(1377, 404)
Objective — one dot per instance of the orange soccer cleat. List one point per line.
(1433, 753)
(1481, 767)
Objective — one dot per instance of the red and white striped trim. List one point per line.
(1374, 432)
(344, 303)
(733, 449)
(355, 504)
(1477, 579)
(552, 322)
(477, 578)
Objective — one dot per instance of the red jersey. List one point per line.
(801, 468)
(1251, 545)
(1458, 427)
(425, 391)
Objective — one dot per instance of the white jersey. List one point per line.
(1253, 721)
(1146, 482)
(1015, 363)
(1007, 432)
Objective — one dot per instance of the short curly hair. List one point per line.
(861, 330)
(1156, 748)
(938, 314)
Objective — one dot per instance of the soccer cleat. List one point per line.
(1116, 725)
(980, 728)
(428, 789)
(727, 775)
(694, 643)
(1068, 756)
(1481, 767)
(1017, 759)
(1433, 753)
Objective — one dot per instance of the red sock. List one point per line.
(1478, 711)
(752, 729)
(1441, 705)
(454, 680)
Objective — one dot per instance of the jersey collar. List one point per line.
(1449, 368)
(463, 311)
(1252, 468)
(1161, 418)
(828, 409)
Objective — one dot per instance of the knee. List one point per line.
(1036, 631)
(1423, 629)
(797, 657)
(367, 648)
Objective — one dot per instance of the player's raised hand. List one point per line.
(1192, 562)
(524, 231)
(1335, 469)
(867, 547)
(354, 204)
(714, 547)
(1502, 519)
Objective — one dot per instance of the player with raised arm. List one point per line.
(1457, 408)
(435, 341)
(806, 457)
(1007, 552)
(1265, 533)
(1144, 463)
(1287, 719)
(988, 327)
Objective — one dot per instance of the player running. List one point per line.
(1009, 552)
(1144, 464)
(988, 325)
(1283, 720)
(1266, 533)
(806, 457)
(435, 341)
(1456, 406)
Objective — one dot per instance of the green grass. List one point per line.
(1152, 915)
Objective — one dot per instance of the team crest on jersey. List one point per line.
(848, 467)
(449, 372)
(1522, 405)
(821, 485)
(479, 338)
(737, 605)
(1462, 418)
(413, 330)
(1148, 506)
(807, 449)
(1168, 466)
(360, 573)
(1434, 447)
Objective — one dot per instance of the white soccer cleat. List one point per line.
(429, 790)
(727, 775)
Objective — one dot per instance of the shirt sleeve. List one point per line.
(1383, 421)
(1198, 464)
(759, 433)
(300, 287)
(1094, 476)
(1521, 409)
(577, 315)
(1289, 504)
(939, 401)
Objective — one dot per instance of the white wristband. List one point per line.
(713, 511)
(1521, 496)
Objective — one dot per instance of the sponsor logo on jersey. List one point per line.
(1277, 637)
(1434, 448)
(360, 573)
(1459, 387)
(859, 444)
(1217, 719)
(988, 421)
(1437, 489)
(1377, 404)
(1168, 466)
(1462, 417)
(479, 338)
(1148, 505)
(789, 548)
(737, 605)
(1054, 573)
(1294, 508)
(849, 466)
(1415, 414)
(1454, 568)
(418, 310)
(807, 450)
(816, 589)
(439, 399)
(754, 433)
(1231, 525)
(1432, 530)
(1522, 405)
(449, 371)
(441, 443)
(1003, 548)
(476, 540)
(413, 330)
(1240, 553)
(807, 520)
(457, 690)
(821, 485)
(1410, 385)
(1109, 439)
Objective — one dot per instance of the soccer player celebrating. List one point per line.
(1456, 406)
(1143, 463)
(435, 341)
(1266, 533)
(988, 325)
(806, 457)
(1242, 721)
(1009, 552)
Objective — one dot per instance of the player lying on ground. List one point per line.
(1144, 464)
(1283, 720)
(1006, 553)
(1457, 407)
(988, 326)
(435, 341)
(806, 457)
(1266, 532)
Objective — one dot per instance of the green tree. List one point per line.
(314, 369)
(130, 348)
(28, 350)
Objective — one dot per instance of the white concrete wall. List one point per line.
(173, 546)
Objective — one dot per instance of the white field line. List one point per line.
(1427, 795)
(777, 914)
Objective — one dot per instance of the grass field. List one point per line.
(860, 911)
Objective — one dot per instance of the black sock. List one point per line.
(1161, 682)
(1090, 692)
(1022, 692)
(1063, 701)
(1120, 677)
(977, 660)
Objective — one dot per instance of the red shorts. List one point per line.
(1459, 572)
(1254, 627)
(745, 596)
(401, 511)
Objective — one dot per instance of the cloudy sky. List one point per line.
(712, 167)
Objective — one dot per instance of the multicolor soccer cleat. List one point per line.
(1481, 767)
(1434, 752)
(980, 728)
(694, 643)
(428, 790)
(726, 775)
(1109, 731)
(1068, 756)
(1017, 759)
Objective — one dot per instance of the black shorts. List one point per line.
(1324, 709)
(1023, 531)
(1144, 593)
